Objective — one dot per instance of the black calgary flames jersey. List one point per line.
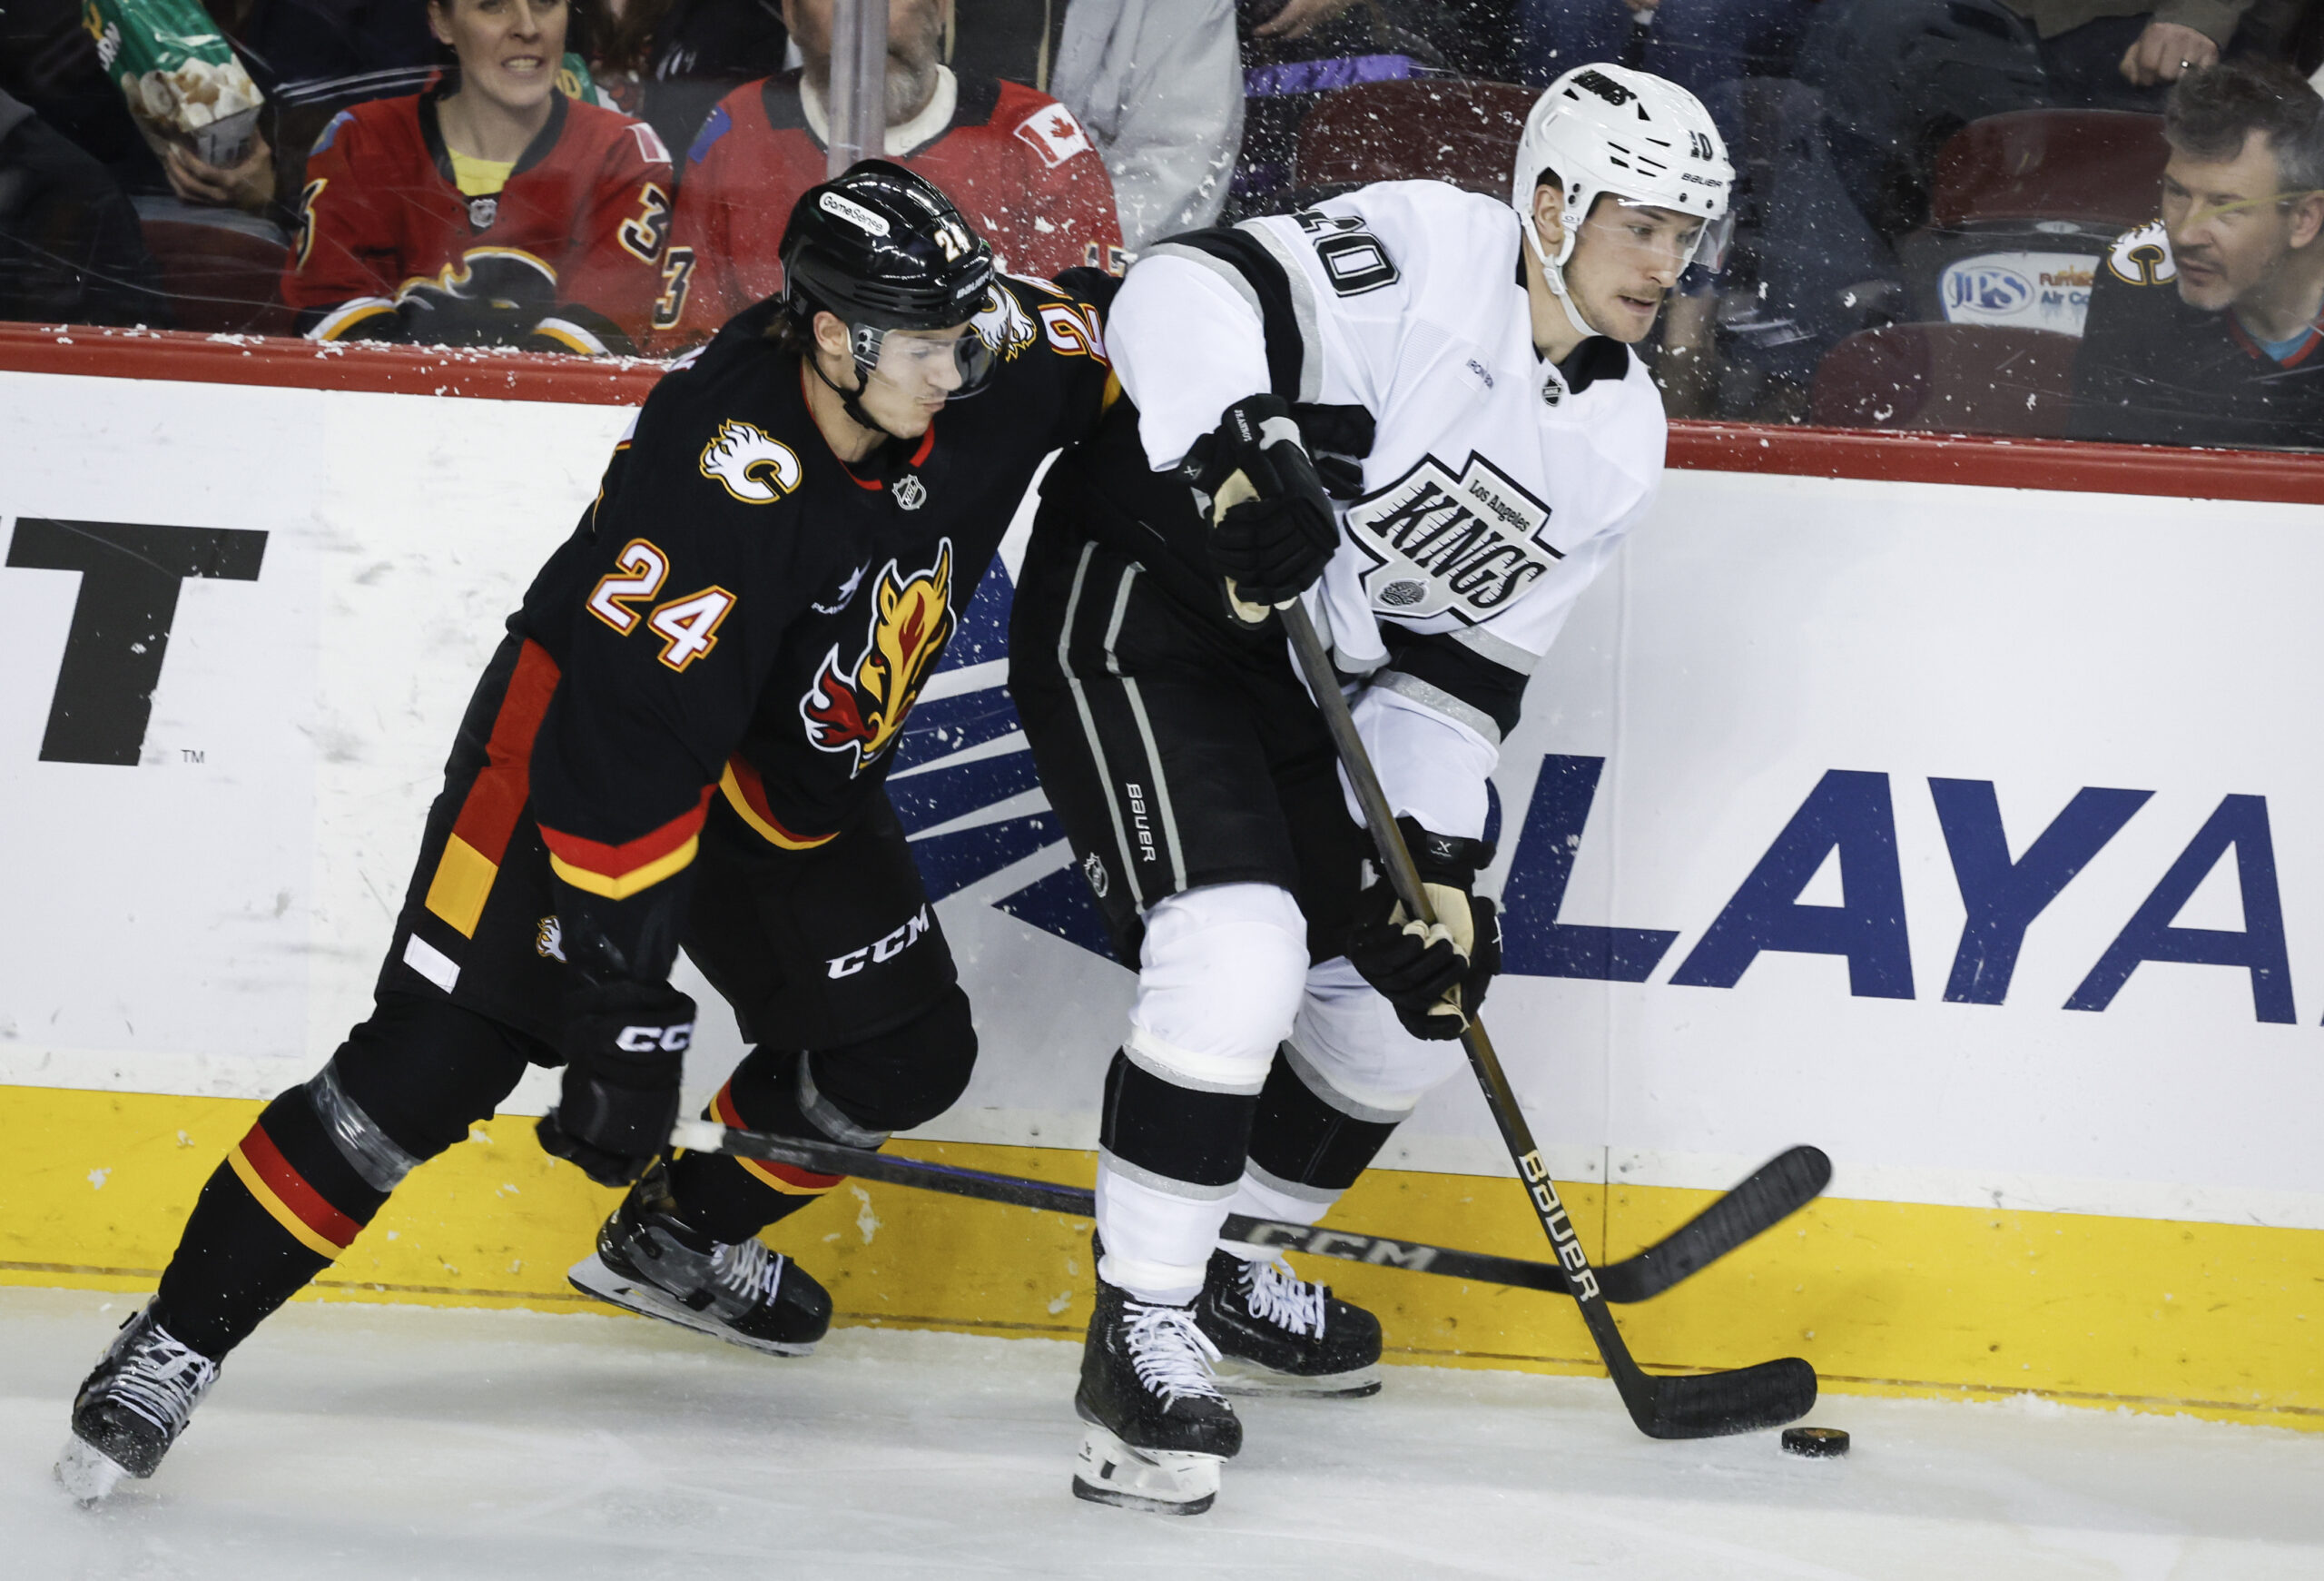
(2153, 370)
(742, 615)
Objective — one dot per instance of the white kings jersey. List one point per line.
(1498, 484)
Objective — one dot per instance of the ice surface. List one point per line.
(354, 1442)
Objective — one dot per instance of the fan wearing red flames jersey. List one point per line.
(1016, 162)
(490, 210)
(685, 740)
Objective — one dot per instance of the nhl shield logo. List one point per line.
(1094, 870)
(911, 492)
(482, 212)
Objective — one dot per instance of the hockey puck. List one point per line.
(1815, 1443)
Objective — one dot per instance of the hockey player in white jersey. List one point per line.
(1416, 410)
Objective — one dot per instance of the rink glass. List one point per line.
(1917, 230)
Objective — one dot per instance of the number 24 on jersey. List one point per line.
(688, 626)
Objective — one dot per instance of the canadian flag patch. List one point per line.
(1053, 133)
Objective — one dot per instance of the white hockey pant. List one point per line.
(1228, 1009)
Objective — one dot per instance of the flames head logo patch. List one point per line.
(754, 466)
(2142, 257)
(1003, 325)
(859, 709)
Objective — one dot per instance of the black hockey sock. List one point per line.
(276, 1213)
(854, 1094)
(1306, 1134)
(731, 1199)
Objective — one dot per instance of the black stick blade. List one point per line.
(1779, 1189)
(1712, 1405)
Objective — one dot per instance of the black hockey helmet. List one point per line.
(881, 248)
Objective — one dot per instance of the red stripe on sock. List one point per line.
(291, 1188)
(789, 1176)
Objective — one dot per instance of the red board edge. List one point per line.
(2065, 466)
(277, 363)
(1970, 460)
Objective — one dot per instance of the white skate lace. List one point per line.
(162, 1380)
(1276, 1295)
(1171, 1356)
(748, 1268)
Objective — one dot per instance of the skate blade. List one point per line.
(1159, 1481)
(591, 1277)
(87, 1472)
(1238, 1377)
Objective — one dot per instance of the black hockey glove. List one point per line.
(1435, 977)
(1272, 526)
(1338, 438)
(433, 316)
(624, 1052)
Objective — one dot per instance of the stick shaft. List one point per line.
(1396, 863)
(1779, 1187)
(1080, 1201)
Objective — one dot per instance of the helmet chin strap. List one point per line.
(850, 400)
(1554, 272)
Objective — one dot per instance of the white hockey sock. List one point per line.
(1158, 1238)
(1261, 1196)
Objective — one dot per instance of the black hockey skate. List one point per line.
(1278, 1334)
(132, 1407)
(1159, 1428)
(652, 1264)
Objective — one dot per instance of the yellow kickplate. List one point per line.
(2216, 1319)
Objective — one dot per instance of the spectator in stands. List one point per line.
(1158, 84)
(1015, 161)
(2205, 326)
(1899, 76)
(490, 210)
(70, 251)
(313, 58)
(669, 62)
(310, 57)
(1881, 84)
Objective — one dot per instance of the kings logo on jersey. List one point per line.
(858, 710)
(1440, 544)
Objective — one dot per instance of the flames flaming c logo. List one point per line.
(859, 709)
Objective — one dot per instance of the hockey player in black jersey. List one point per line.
(1459, 376)
(683, 741)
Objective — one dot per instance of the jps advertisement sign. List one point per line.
(2033, 291)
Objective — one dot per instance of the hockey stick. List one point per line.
(1786, 1184)
(1700, 1407)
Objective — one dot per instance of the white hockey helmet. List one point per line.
(1648, 142)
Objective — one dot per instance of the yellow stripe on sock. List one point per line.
(298, 1227)
(766, 1176)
